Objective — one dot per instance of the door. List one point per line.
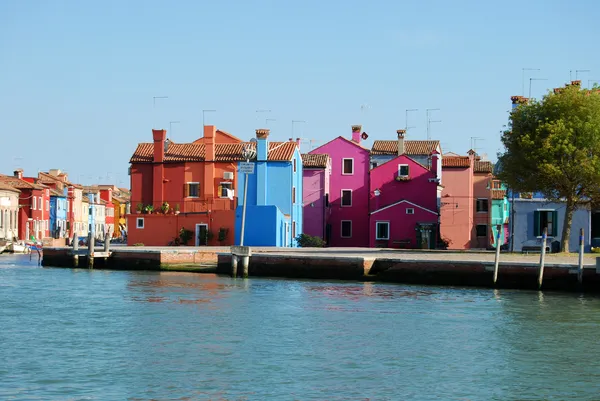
(287, 235)
(201, 234)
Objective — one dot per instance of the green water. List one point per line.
(109, 335)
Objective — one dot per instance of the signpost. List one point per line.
(247, 168)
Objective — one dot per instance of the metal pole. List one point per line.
(542, 258)
(581, 245)
(497, 259)
(244, 207)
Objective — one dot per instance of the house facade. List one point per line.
(34, 206)
(58, 214)
(532, 212)
(348, 222)
(9, 212)
(274, 196)
(499, 213)
(315, 194)
(482, 175)
(404, 201)
(186, 186)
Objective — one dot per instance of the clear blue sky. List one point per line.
(77, 78)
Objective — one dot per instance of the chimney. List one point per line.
(298, 143)
(262, 145)
(209, 158)
(576, 83)
(517, 100)
(356, 133)
(18, 173)
(159, 136)
(401, 133)
(435, 163)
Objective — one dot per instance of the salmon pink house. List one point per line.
(348, 222)
(403, 205)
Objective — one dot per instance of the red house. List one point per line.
(34, 206)
(404, 202)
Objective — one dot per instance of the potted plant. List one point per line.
(222, 236)
(165, 208)
(149, 209)
(177, 208)
(402, 178)
(185, 235)
(140, 208)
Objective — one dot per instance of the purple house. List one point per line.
(315, 194)
(348, 223)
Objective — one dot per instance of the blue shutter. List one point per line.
(536, 224)
(554, 223)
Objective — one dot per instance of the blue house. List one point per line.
(58, 213)
(532, 212)
(274, 209)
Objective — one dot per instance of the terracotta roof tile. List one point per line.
(224, 152)
(310, 160)
(483, 166)
(456, 161)
(410, 147)
(54, 192)
(7, 187)
(18, 183)
(498, 194)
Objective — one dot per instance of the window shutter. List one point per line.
(186, 190)
(219, 189)
(536, 224)
(554, 223)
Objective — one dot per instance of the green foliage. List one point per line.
(165, 207)
(177, 207)
(553, 146)
(307, 241)
(140, 207)
(223, 232)
(185, 235)
(149, 208)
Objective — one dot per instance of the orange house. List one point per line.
(187, 185)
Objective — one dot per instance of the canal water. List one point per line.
(111, 335)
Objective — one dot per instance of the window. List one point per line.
(346, 229)
(410, 210)
(293, 194)
(496, 184)
(482, 205)
(34, 206)
(47, 206)
(545, 219)
(294, 165)
(347, 166)
(346, 197)
(481, 230)
(373, 165)
(224, 189)
(192, 190)
(293, 229)
(382, 230)
(139, 222)
(403, 170)
(40, 204)
(2, 218)
(505, 207)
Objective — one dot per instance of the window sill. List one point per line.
(345, 205)
(382, 239)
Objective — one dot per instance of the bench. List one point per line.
(534, 249)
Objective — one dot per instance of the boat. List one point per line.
(2, 248)
(16, 247)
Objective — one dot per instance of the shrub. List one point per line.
(223, 232)
(307, 241)
(185, 235)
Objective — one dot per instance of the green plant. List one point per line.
(595, 250)
(307, 241)
(185, 235)
(149, 208)
(176, 207)
(165, 208)
(140, 207)
(222, 236)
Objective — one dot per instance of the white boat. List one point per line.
(16, 247)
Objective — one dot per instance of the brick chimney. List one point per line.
(210, 132)
(298, 143)
(18, 173)
(435, 162)
(159, 136)
(262, 144)
(356, 133)
(401, 133)
(576, 83)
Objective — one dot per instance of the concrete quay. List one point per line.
(455, 268)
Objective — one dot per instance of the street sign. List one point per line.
(247, 168)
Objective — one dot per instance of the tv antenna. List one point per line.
(429, 121)
(523, 77)
(406, 119)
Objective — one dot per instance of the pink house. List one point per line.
(348, 224)
(315, 194)
(458, 206)
(404, 201)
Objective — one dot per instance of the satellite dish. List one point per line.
(253, 140)
(364, 136)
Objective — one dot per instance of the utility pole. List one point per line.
(429, 121)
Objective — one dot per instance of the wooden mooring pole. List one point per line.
(581, 245)
(542, 258)
(497, 259)
(91, 245)
(75, 245)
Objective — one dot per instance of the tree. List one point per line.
(553, 146)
